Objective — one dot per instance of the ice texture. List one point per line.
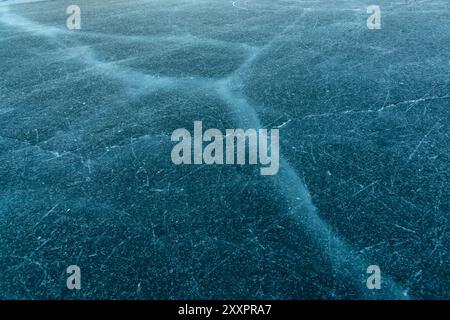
(85, 123)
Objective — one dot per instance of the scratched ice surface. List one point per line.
(85, 170)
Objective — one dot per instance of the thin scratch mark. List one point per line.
(366, 187)
(421, 141)
(405, 229)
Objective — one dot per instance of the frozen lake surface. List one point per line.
(85, 123)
